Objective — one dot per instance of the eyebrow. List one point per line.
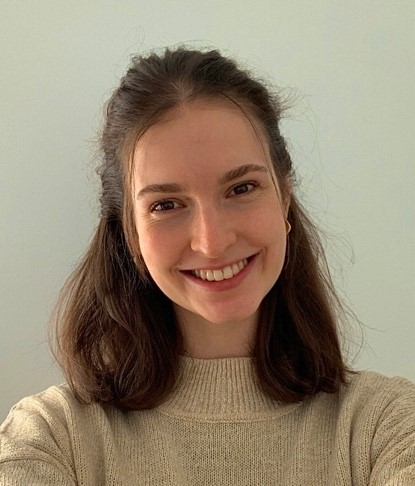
(224, 179)
(240, 172)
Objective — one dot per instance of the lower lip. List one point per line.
(224, 284)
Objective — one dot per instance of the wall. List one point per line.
(351, 65)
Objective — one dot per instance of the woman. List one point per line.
(199, 333)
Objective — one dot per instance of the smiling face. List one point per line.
(209, 219)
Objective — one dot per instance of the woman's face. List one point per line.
(209, 219)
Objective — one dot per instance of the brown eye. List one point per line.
(242, 188)
(164, 206)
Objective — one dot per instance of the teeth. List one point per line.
(225, 273)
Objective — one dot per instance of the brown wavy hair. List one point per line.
(116, 337)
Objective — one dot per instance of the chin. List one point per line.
(230, 318)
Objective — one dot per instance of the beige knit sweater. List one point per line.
(216, 429)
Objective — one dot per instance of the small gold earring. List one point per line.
(287, 226)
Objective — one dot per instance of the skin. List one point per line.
(205, 198)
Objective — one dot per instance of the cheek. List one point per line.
(268, 224)
(147, 241)
(150, 247)
(159, 250)
(273, 236)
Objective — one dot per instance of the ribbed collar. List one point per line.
(223, 389)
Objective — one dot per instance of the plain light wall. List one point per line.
(351, 136)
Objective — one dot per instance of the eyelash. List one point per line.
(154, 209)
(159, 204)
(249, 183)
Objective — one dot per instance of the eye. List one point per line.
(242, 188)
(163, 206)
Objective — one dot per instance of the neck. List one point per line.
(220, 390)
(208, 340)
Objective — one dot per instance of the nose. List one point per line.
(213, 232)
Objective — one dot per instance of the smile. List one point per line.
(220, 274)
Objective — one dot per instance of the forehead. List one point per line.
(200, 138)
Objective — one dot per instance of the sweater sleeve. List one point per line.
(393, 446)
(35, 446)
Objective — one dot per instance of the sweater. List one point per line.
(216, 429)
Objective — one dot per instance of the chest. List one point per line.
(162, 450)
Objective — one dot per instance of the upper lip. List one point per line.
(217, 266)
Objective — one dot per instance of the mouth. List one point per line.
(219, 274)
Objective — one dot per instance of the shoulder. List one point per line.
(391, 400)
(45, 407)
(369, 397)
(371, 424)
(381, 413)
(55, 409)
(370, 406)
(47, 423)
(370, 381)
(55, 398)
(378, 391)
(46, 436)
(45, 410)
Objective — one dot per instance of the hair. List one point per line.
(116, 336)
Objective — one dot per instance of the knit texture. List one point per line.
(216, 429)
